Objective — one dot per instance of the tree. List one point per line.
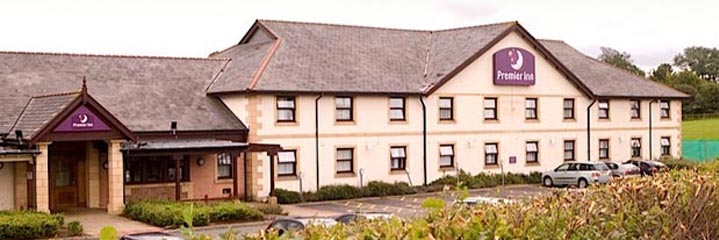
(702, 60)
(663, 73)
(619, 59)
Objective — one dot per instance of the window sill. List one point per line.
(446, 168)
(572, 120)
(397, 171)
(491, 121)
(345, 123)
(532, 164)
(345, 175)
(665, 119)
(491, 166)
(287, 178)
(223, 180)
(531, 120)
(286, 123)
(605, 120)
(447, 121)
(398, 122)
(636, 119)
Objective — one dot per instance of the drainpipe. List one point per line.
(651, 146)
(424, 138)
(317, 139)
(589, 132)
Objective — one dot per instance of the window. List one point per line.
(603, 148)
(446, 155)
(636, 108)
(285, 109)
(666, 146)
(532, 152)
(603, 109)
(531, 108)
(446, 110)
(224, 165)
(398, 158)
(396, 109)
(664, 106)
(569, 108)
(562, 168)
(490, 108)
(156, 169)
(343, 109)
(569, 150)
(287, 163)
(345, 160)
(636, 147)
(490, 154)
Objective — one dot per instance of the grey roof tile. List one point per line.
(39, 111)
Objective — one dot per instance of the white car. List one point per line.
(580, 174)
(490, 200)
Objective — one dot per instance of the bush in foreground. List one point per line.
(74, 228)
(169, 214)
(28, 225)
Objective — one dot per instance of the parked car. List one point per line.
(283, 225)
(623, 169)
(649, 168)
(580, 174)
(491, 200)
(351, 217)
(150, 236)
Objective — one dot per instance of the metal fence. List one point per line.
(700, 150)
(699, 116)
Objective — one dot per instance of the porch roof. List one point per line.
(182, 144)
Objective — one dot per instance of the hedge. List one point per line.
(29, 224)
(484, 180)
(287, 197)
(169, 214)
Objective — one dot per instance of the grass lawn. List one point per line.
(705, 129)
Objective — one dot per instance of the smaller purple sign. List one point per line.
(513, 66)
(512, 159)
(82, 120)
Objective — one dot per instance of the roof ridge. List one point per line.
(552, 40)
(477, 26)
(111, 56)
(386, 28)
(56, 94)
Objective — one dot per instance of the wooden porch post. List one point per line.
(235, 176)
(178, 188)
(272, 155)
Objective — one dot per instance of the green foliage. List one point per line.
(336, 192)
(680, 204)
(619, 59)
(485, 180)
(108, 233)
(173, 214)
(28, 225)
(679, 164)
(380, 189)
(287, 196)
(270, 209)
(701, 60)
(74, 228)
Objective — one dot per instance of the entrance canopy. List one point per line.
(16, 155)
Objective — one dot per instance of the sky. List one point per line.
(652, 31)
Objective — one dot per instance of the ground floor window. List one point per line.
(398, 158)
(603, 148)
(666, 146)
(490, 153)
(345, 160)
(446, 155)
(287, 163)
(224, 165)
(155, 169)
(532, 152)
(569, 150)
(636, 147)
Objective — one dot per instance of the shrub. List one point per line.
(380, 189)
(165, 213)
(679, 164)
(232, 211)
(269, 209)
(28, 225)
(74, 228)
(337, 192)
(287, 196)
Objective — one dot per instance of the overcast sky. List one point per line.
(653, 31)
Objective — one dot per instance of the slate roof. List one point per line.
(330, 58)
(180, 144)
(39, 111)
(144, 93)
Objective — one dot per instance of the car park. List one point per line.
(649, 168)
(623, 169)
(351, 217)
(282, 225)
(580, 174)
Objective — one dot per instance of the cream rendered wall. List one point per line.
(7, 200)
(371, 133)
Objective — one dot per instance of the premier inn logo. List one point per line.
(83, 121)
(513, 66)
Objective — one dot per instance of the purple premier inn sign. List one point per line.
(82, 120)
(513, 66)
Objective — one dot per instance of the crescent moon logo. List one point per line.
(83, 117)
(520, 60)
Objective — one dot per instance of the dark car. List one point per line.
(623, 170)
(351, 217)
(283, 225)
(150, 236)
(648, 168)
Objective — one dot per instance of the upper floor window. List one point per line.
(603, 148)
(636, 108)
(344, 108)
(446, 155)
(345, 160)
(287, 163)
(532, 152)
(396, 109)
(490, 108)
(664, 106)
(569, 150)
(446, 108)
(603, 109)
(224, 165)
(490, 153)
(569, 108)
(530, 108)
(398, 158)
(666, 146)
(636, 147)
(286, 109)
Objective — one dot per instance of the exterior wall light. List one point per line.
(104, 165)
(200, 162)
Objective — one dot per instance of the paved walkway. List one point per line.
(93, 220)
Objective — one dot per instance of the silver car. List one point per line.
(623, 169)
(577, 173)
